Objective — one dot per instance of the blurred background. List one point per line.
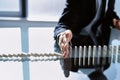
(27, 26)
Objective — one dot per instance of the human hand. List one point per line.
(116, 23)
(64, 39)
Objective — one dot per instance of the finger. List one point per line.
(61, 42)
(68, 35)
(65, 50)
(64, 39)
(64, 44)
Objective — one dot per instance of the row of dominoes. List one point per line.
(30, 57)
(95, 55)
(82, 55)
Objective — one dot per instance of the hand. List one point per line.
(116, 23)
(63, 42)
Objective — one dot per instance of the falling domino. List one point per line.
(94, 53)
(104, 55)
(89, 54)
(80, 55)
(70, 52)
(84, 55)
(110, 53)
(118, 60)
(75, 55)
(114, 54)
(99, 54)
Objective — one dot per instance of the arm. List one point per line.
(111, 15)
(63, 34)
(113, 19)
(63, 30)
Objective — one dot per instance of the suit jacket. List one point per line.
(79, 13)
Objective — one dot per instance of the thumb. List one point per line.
(68, 35)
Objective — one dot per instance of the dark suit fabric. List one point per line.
(79, 13)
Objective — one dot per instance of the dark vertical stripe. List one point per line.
(111, 4)
(24, 7)
(103, 8)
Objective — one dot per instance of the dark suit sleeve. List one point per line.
(68, 20)
(111, 13)
(75, 16)
(108, 21)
